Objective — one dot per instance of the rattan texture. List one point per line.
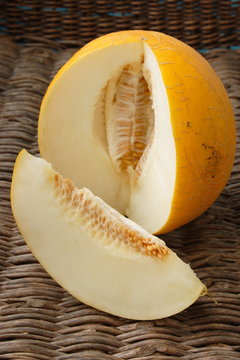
(202, 23)
(39, 320)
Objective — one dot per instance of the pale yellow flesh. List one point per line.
(98, 270)
(75, 135)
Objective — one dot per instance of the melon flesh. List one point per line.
(99, 256)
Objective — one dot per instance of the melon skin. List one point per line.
(78, 240)
(192, 163)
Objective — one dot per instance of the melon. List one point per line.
(144, 122)
(96, 254)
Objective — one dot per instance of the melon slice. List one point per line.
(143, 121)
(98, 255)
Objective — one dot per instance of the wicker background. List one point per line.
(202, 23)
(38, 319)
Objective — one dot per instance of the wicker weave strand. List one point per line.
(200, 23)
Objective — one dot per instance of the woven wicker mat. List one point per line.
(39, 320)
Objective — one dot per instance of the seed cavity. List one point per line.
(128, 117)
(105, 223)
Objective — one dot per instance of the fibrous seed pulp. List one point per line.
(129, 117)
(107, 223)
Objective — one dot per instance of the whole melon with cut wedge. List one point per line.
(144, 122)
(99, 256)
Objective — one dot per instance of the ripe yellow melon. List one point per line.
(143, 121)
(98, 255)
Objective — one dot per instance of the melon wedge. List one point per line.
(143, 121)
(98, 255)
